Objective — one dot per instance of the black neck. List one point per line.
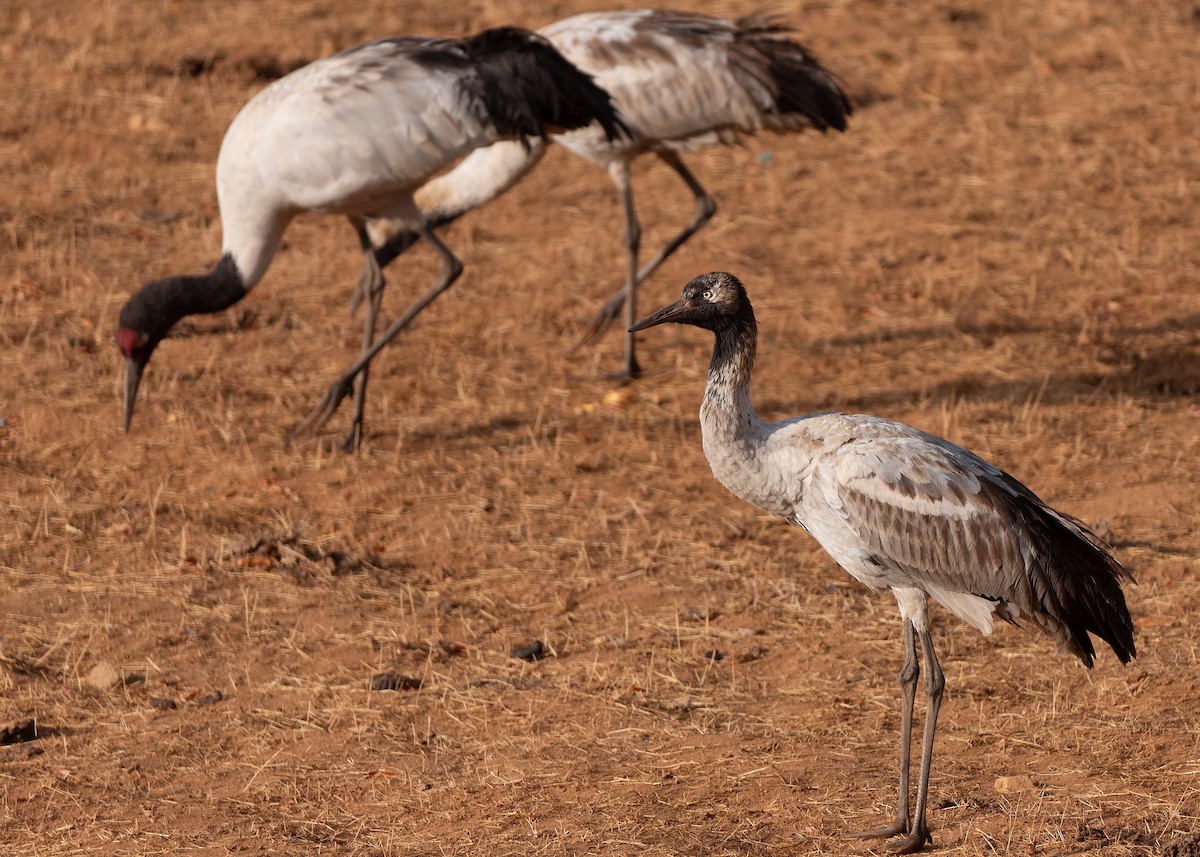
(219, 289)
(735, 346)
(161, 303)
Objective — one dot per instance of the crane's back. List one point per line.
(685, 80)
(900, 508)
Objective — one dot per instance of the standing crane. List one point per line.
(357, 134)
(903, 510)
(682, 80)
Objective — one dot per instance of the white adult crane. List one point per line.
(357, 134)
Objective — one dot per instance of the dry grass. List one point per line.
(1002, 250)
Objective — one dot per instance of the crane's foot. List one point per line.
(625, 375)
(630, 371)
(326, 408)
(914, 842)
(352, 442)
(600, 322)
(897, 828)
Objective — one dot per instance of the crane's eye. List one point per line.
(707, 294)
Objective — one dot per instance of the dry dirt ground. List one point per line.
(1003, 249)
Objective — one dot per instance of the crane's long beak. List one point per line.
(676, 312)
(133, 377)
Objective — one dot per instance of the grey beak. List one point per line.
(672, 312)
(133, 377)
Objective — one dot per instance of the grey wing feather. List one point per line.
(936, 515)
(686, 77)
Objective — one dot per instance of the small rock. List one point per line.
(392, 681)
(698, 614)
(103, 676)
(163, 702)
(19, 732)
(1017, 783)
(622, 397)
(753, 653)
(684, 704)
(534, 651)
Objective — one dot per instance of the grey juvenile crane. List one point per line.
(682, 80)
(357, 134)
(903, 510)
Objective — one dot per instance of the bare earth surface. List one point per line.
(1004, 249)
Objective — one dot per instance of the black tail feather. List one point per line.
(1084, 577)
(801, 83)
(530, 89)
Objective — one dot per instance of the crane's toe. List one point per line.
(352, 442)
(325, 408)
(600, 322)
(896, 828)
(914, 842)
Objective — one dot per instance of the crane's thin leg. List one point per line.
(372, 283)
(909, 672)
(619, 170)
(400, 240)
(633, 242)
(451, 269)
(935, 683)
(706, 207)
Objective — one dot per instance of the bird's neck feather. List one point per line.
(219, 289)
(727, 414)
(735, 439)
(251, 227)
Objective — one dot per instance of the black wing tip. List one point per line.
(1087, 582)
(1121, 643)
(499, 39)
(531, 89)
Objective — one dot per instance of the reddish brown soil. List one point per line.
(1003, 250)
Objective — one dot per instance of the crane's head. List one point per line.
(143, 323)
(149, 315)
(713, 301)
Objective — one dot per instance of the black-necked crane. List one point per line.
(682, 80)
(903, 510)
(357, 134)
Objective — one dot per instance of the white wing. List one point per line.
(345, 131)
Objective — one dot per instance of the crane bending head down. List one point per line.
(357, 134)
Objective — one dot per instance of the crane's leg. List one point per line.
(370, 285)
(935, 683)
(619, 170)
(451, 270)
(399, 240)
(706, 207)
(909, 672)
